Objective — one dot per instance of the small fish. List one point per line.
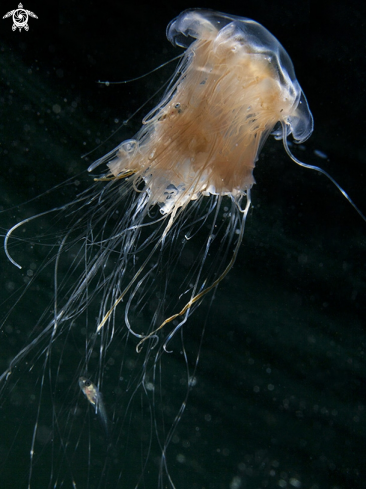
(93, 395)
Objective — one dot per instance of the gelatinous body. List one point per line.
(234, 86)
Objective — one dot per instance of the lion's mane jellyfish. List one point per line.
(234, 86)
(153, 235)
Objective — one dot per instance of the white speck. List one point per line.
(149, 386)
(181, 458)
(235, 483)
(295, 482)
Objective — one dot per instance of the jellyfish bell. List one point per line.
(118, 269)
(234, 86)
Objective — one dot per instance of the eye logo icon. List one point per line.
(20, 18)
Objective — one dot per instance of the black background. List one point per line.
(280, 396)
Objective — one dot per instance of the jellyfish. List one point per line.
(176, 195)
(234, 86)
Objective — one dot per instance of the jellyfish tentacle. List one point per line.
(137, 274)
(107, 83)
(208, 289)
(29, 219)
(323, 172)
(108, 178)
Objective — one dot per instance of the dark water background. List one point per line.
(280, 395)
